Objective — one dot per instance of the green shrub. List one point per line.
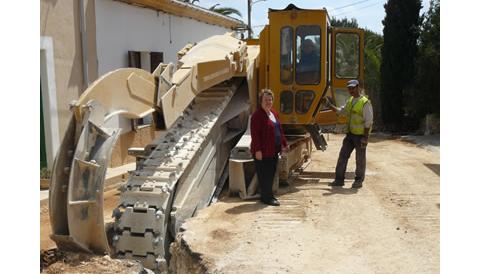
(45, 173)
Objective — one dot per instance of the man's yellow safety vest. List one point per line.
(356, 123)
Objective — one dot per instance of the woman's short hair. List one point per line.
(264, 92)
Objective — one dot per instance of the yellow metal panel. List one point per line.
(295, 18)
(210, 73)
(264, 59)
(327, 117)
(251, 42)
(342, 82)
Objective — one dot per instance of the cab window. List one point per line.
(307, 70)
(303, 101)
(286, 55)
(286, 102)
(347, 57)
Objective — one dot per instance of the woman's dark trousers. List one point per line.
(266, 172)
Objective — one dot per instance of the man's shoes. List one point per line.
(336, 183)
(272, 201)
(357, 184)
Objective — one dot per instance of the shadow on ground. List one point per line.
(339, 190)
(244, 208)
(434, 167)
(307, 175)
(380, 137)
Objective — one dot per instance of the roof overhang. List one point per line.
(183, 9)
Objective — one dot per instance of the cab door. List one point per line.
(297, 68)
(347, 63)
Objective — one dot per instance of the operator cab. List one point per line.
(296, 63)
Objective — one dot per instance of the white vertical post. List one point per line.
(49, 98)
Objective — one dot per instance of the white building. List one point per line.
(82, 40)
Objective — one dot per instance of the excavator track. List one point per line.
(200, 108)
(153, 205)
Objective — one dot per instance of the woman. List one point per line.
(268, 140)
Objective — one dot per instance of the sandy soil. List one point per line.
(391, 225)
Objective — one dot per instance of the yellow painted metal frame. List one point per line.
(342, 82)
(252, 42)
(264, 59)
(269, 71)
(270, 59)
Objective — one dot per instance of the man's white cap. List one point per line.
(352, 83)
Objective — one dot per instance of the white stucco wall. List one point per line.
(122, 27)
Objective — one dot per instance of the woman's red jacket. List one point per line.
(262, 131)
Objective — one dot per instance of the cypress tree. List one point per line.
(400, 34)
(426, 99)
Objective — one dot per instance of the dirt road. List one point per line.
(391, 225)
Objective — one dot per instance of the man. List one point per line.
(360, 119)
(310, 58)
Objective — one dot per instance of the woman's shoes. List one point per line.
(272, 201)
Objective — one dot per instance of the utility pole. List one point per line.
(249, 3)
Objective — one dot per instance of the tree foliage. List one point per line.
(424, 97)
(397, 70)
(373, 59)
(344, 22)
(227, 11)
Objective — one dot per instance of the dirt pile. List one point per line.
(54, 261)
(184, 260)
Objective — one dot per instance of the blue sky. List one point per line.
(369, 13)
